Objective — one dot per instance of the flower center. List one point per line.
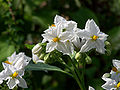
(53, 25)
(118, 85)
(56, 39)
(94, 37)
(7, 62)
(14, 75)
(114, 69)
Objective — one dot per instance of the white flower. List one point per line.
(111, 84)
(35, 51)
(18, 61)
(91, 88)
(13, 76)
(57, 39)
(115, 72)
(94, 38)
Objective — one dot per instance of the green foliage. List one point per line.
(45, 67)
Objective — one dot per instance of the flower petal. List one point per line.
(89, 44)
(58, 19)
(50, 46)
(102, 36)
(22, 83)
(11, 83)
(100, 46)
(91, 27)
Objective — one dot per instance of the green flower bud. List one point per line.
(108, 52)
(78, 56)
(88, 60)
(41, 56)
(107, 43)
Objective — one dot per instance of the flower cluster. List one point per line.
(14, 70)
(66, 37)
(113, 78)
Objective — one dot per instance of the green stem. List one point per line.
(74, 75)
(83, 73)
(77, 75)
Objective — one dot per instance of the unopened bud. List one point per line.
(88, 60)
(106, 75)
(108, 52)
(37, 49)
(107, 43)
(42, 55)
(78, 56)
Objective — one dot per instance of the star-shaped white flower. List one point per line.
(13, 76)
(19, 61)
(111, 84)
(56, 40)
(94, 38)
(115, 72)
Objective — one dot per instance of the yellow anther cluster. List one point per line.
(94, 37)
(114, 69)
(14, 75)
(56, 39)
(118, 85)
(7, 62)
(53, 25)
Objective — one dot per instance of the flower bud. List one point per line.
(107, 43)
(78, 56)
(108, 52)
(88, 60)
(42, 55)
(37, 49)
(106, 75)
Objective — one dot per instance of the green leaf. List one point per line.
(29, 46)
(82, 15)
(44, 67)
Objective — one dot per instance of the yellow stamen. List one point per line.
(53, 25)
(94, 37)
(7, 62)
(14, 75)
(56, 39)
(118, 85)
(114, 69)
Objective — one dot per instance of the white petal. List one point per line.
(36, 59)
(48, 36)
(22, 83)
(65, 36)
(100, 46)
(50, 46)
(102, 36)
(36, 48)
(91, 88)
(89, 44)
(92, 27)
(58, 19)
(110, 85)
(12, 83)
(116, 63)
(84, 33)
(65, 48)
(71, 25)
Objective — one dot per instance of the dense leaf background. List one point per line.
(23, 21)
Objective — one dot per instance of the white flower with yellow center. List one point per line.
(57, 39)
(36, 50)
(19, 61)
(13, 76)
(94, 38)
(111, 84)
(115, 72)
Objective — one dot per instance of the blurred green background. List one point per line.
(23, 22)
